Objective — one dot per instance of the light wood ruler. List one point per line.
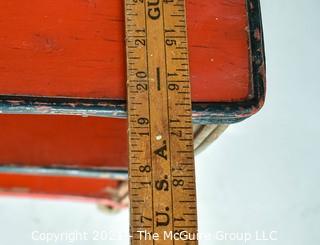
(161, 159)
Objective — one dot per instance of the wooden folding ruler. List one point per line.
(161, 159)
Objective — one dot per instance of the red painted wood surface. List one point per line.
(63, 141)
(76, 48)
(51, 186)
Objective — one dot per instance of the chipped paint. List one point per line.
(100, 173)
(203, 113)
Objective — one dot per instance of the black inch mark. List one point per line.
(158, 79)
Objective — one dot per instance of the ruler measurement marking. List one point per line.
(168, 112)
(154, 98)
(158, 79)
(150, 142)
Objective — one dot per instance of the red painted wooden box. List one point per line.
(62, 87)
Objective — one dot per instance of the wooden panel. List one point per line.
(49, 186)
(63, 141)
(76, 48)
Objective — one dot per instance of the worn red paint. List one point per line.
(63, 141)
(76, 48)
(44, 186)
